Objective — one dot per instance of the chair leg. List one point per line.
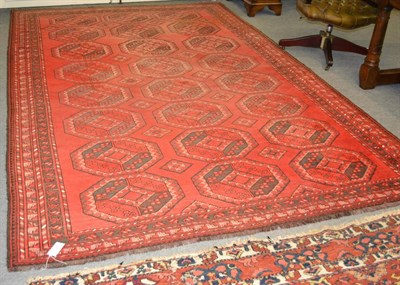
(307, 41)
(322, 41)
(326, 45)
(326, 42)
(340, 44)
(327, 48)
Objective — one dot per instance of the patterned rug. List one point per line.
(137, 127)
(366, 253)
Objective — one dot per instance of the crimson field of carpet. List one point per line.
(139, 127)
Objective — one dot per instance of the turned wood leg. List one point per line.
(369, 70)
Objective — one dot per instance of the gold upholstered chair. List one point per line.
(346, 14)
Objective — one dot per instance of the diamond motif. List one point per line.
(176, 166)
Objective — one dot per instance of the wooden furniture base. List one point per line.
(327, 42)
(254, 6)
(370, 74)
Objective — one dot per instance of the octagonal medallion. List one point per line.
(76, 34)
(160, 67)
(298, 132)
(104, 123)
(131, 198)
(98, 95)
(178, 15)
(271, 104)
(333, 166)
(211, 144)
(71, 19)
(115, 156)
(148, 47)
(193, 27)
(134, 30)
(192, 114)
(126, 16)
(175, 89)
(87, 72)
(79, 51)
(228, 62)
(211, 44)
(247, 82)
(238, 181)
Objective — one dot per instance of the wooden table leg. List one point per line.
(370, 74)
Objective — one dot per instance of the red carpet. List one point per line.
(136, 127)
(358, 254)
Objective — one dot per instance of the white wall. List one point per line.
(37, 3)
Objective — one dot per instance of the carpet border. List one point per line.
(9, 170)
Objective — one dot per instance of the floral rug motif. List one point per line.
(366, 253)
(139, 127)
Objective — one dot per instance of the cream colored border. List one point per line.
(341, 225)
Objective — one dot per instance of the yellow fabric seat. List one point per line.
(346, 14)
